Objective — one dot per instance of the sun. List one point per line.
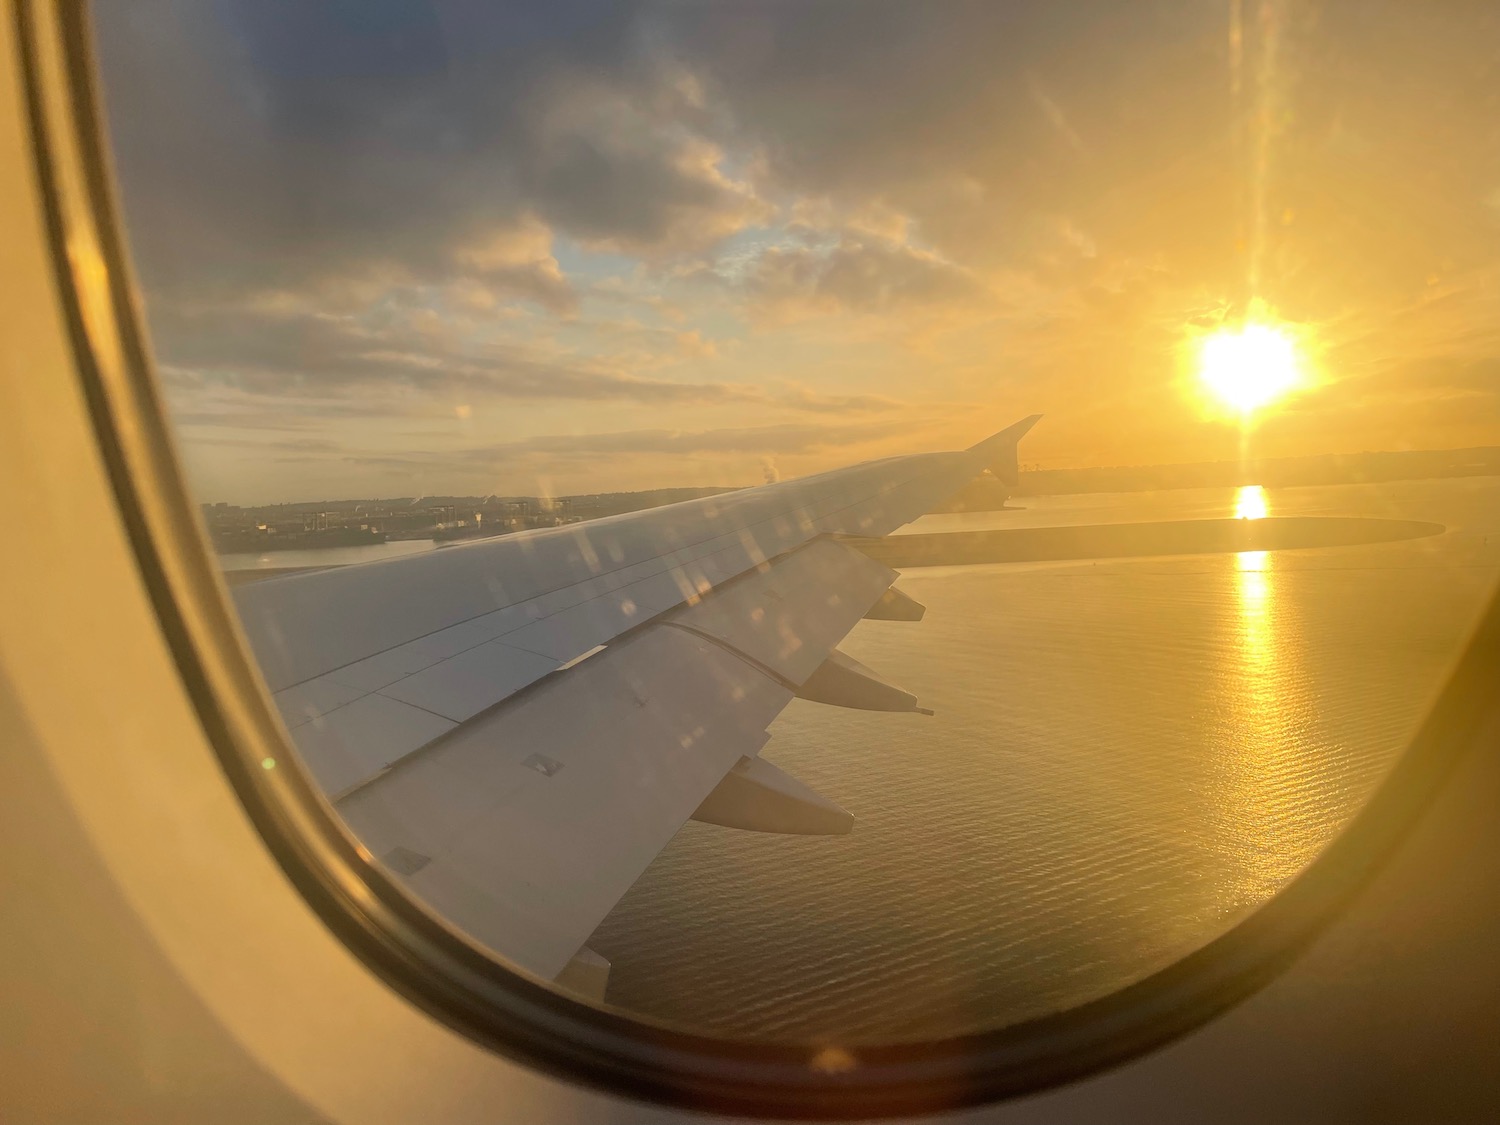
(1248, 368)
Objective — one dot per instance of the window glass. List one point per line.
(494, 337)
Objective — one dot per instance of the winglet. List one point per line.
(999, 450)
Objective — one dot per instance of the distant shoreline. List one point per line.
(1269, 472)
(1086, 541)
(989, 494)
(1135, 540)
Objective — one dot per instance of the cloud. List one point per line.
(240, 364)
(514, 261)
(287, 145)
(283, 143)
(621, 180)
(385, 210)
(760, 442)
(1441, 374)
(1452, 392)
(307, 355)
(858, 274)
(306, 448)
(803, 398)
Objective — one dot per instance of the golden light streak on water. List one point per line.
(1127, 757)
(1250, 503)
(1256, 625)
(1269, 696)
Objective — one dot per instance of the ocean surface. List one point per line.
(1127, 757)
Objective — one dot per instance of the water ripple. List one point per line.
(1126, 758)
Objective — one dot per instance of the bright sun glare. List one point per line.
(1249, 368)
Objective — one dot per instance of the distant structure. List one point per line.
(345, 523)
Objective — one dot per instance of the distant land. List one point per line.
(349, 523)
(988, 494)
(316, 523)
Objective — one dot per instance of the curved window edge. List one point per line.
(461, 985)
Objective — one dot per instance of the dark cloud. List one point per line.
(243, 362)
(1343, 153)
(270, 141)
(266, 144)
(302, 354)
(863, 275)
(757, 441)
(801, 398)
(339, 204)
(760, 440)
(249, 414)
(307, 448)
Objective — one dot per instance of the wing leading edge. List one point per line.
(441, 702)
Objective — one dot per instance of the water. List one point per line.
(1127, 757)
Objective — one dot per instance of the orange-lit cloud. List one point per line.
(759, 220)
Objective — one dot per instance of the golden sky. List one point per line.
(402, 248)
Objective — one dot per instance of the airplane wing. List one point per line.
(516, 727)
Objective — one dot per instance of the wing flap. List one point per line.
(356, 741)
(464, 685)
(758, 797)
(524, 827)
(792, 615)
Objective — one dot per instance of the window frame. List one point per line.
(452, 979)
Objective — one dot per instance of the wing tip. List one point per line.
(1014, 432)
(999, 450)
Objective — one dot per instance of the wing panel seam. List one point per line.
(802, 509)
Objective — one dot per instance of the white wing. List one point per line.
(441, 702)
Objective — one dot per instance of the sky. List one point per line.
(390, 248)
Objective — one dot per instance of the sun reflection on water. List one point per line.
(1267, 704)
(1250, 502)
(1253, 593)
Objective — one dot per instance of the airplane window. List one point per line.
(617, 429)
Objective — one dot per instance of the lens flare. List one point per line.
(1249, 368)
